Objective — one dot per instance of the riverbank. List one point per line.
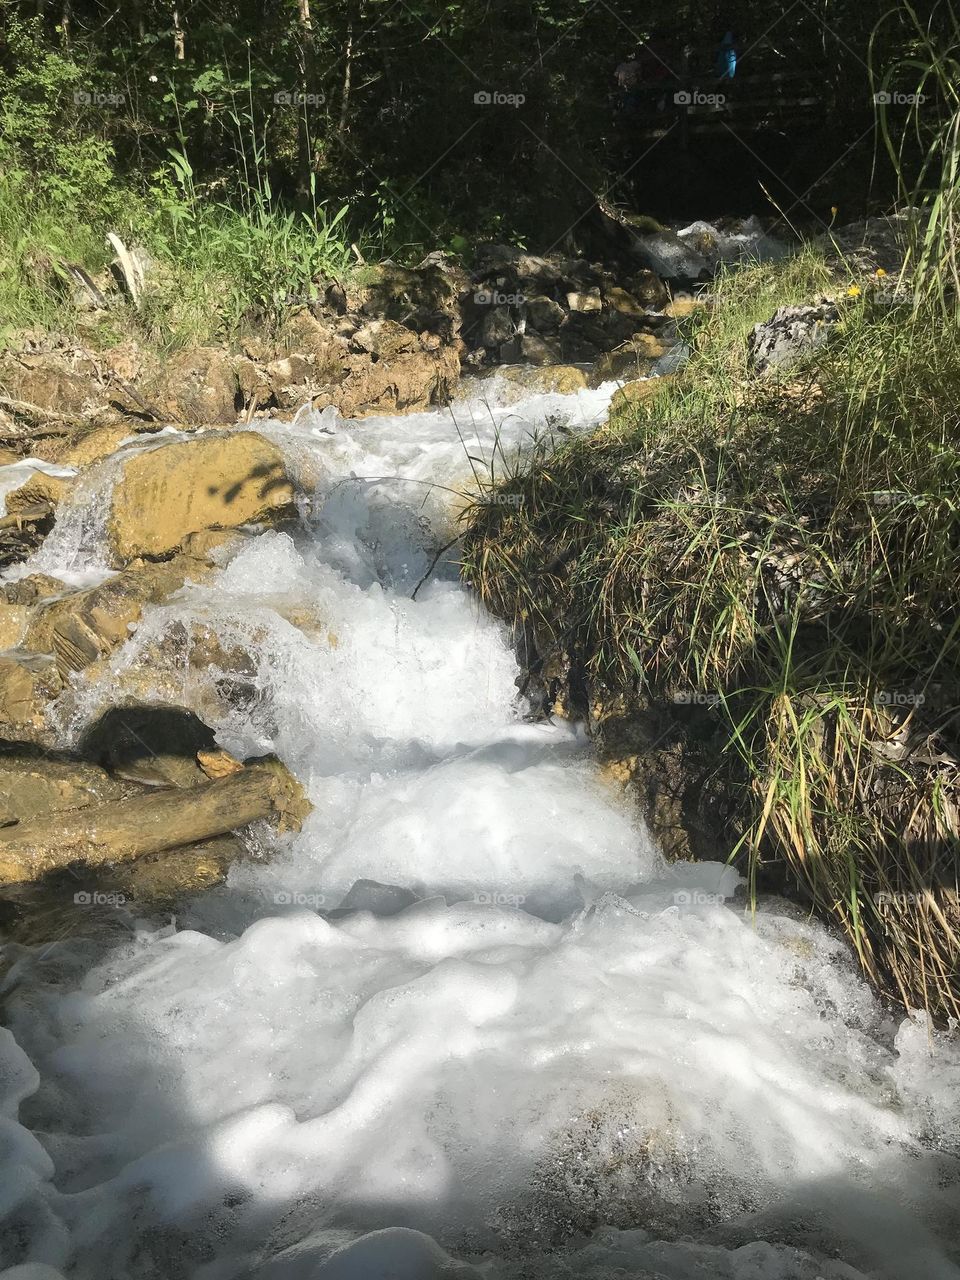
(746, 584)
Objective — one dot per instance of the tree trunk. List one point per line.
(347, 74)
(121, 830)
(308, 90)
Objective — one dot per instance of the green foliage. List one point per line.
(45, 130)
(373, 104)
(926, 149)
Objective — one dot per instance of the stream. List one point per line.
(467, 1023)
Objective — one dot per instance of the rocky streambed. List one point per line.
(442, 1007)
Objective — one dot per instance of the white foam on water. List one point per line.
(15, 474)
(467, 1023)
(736, 244)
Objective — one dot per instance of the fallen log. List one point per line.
(35, 411)
(121, 830)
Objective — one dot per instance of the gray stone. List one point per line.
(790, 333)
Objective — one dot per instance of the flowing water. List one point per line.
(467, 1022)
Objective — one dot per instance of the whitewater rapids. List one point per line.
(467, 1023)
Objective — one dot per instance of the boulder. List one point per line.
(585, 300)
(539, 351)
(582, 337)
(198, 385)
(411, 382)
(624, 303)
(215, 481)
(532, 269)
(497, 327)
(633, 393)
(84, 626)
(790, 334)
(519, 381)
(13, 624)
(31, 786)
(302, 334)
(40, 489)
(631, 360)
(128, 361)
(291, 382)
(32, 588)
(385, 339)
(84, 448)
(418, 297)
(28, 684)
(59, 382)
(544, 315)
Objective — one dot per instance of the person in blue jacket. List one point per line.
(725, 66)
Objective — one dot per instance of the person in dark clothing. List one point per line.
(628, 83)
(658, 76)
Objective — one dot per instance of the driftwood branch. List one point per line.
(122, 830)
(45, 418)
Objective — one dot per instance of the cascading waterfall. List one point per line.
(467, 1022)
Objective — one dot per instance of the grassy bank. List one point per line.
(785, 553)
(215, 270)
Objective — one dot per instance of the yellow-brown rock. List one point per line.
(28, 683)
(84, 626)
(213, 481)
